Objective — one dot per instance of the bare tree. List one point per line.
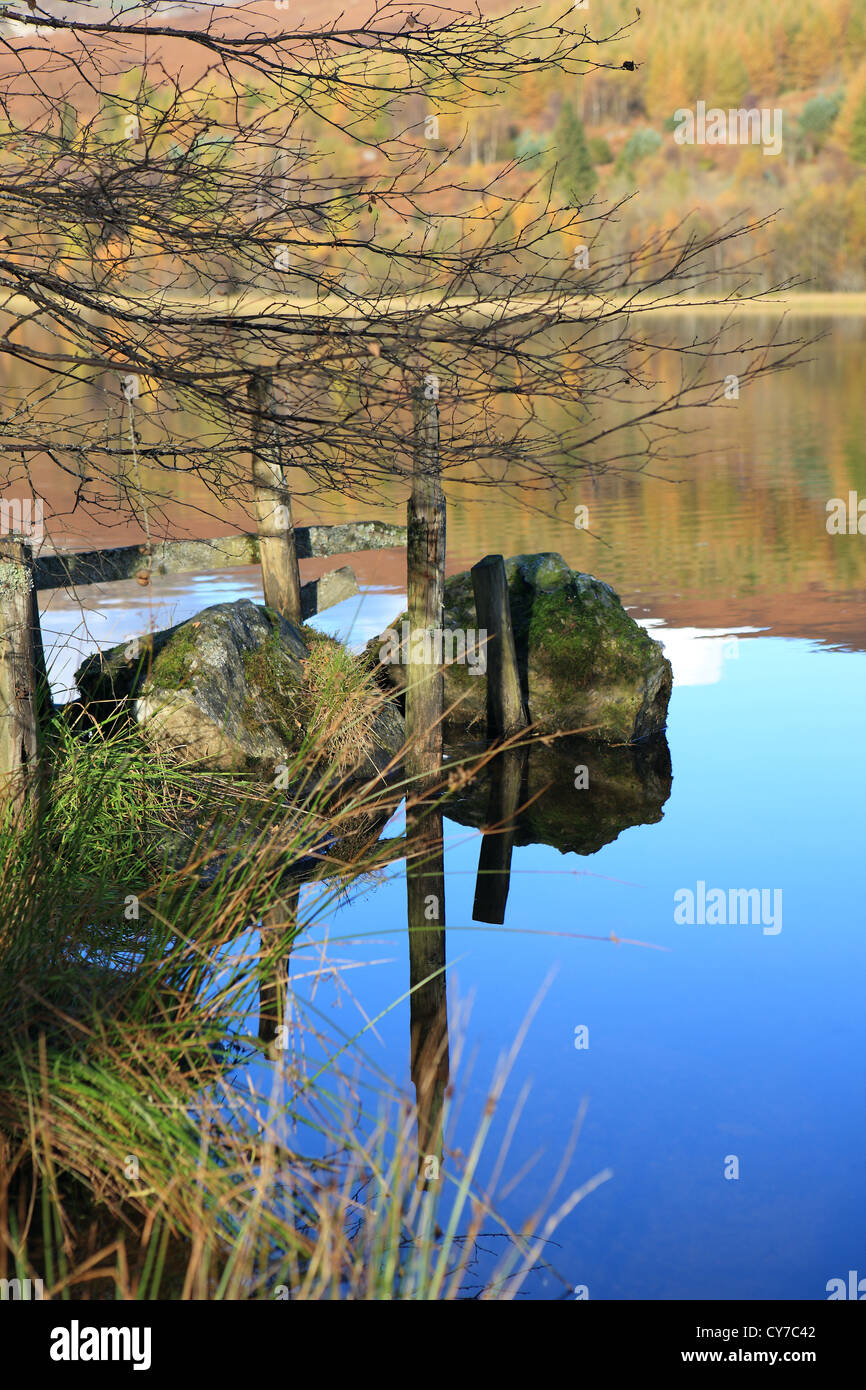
(197, 205)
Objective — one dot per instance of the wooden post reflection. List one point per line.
(274, 984)
(428, 1007)
(494, 859)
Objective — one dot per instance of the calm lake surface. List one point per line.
(706, 1043)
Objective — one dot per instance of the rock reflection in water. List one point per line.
(569, 793)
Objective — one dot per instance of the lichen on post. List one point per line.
(425, 583)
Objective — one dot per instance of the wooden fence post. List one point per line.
(23, 679)
(281, 577)
(425, 582)
(506, 713)
(425, 691)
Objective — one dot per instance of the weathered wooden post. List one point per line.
(428, 1002)
(23, 679)
(425, 582)
(281, 578)
(506, 712)
(494, 858)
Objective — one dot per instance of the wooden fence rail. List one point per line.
(23, 680)
(60, 570)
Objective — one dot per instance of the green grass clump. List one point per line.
(329, 715)
(341, 701)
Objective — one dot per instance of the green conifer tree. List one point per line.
(575, 174)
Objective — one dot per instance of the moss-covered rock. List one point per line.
(584, 663)
(230, 688)
(208, 689)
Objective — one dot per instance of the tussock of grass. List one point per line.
(330, 715)
(342, 702)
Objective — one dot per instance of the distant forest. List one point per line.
(612, 132)
(590, 141)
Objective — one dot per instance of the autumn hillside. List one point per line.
(600, 137)
(807, 61)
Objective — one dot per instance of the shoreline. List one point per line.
(264, 306)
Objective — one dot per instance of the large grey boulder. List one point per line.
(229, 689)
(584, 663)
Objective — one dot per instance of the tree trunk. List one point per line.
(506, 713)
(281, 577)
(425, 576)
(23, 680)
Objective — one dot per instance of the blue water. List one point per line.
(707, 1044)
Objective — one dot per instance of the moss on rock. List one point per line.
(173, 665)
(585, 664)
(273, 702)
